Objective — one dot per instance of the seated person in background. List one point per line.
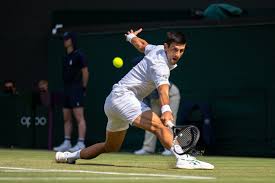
(9, 87)
(202, 120)
(43, 86)
(41, 94)
(45, 98)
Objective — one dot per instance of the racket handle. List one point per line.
(170, 124)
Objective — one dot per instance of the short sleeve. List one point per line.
(160, 74)
(149, 48)
(83, 60)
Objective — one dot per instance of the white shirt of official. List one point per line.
(151, 72)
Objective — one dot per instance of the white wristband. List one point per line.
(129, 37)
(165, 108)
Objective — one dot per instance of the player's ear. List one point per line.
(166, 46)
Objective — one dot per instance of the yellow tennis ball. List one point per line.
(118, 62)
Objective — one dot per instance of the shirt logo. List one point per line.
(71, 62)
(165, 76)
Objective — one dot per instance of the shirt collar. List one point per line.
(171, 67)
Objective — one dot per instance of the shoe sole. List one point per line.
(71, 162)
(192, 168)
(207, 167)
(201, 166)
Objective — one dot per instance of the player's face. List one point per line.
(174, 52)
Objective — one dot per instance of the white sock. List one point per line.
(178, 152)
(172, 150)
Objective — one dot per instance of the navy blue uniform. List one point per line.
(72, 76)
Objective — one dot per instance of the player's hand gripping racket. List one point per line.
(185, 136)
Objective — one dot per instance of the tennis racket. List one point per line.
(185, 136)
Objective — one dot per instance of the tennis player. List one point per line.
(124, 104)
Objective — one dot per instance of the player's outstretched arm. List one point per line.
(137, 42)
(166, 112)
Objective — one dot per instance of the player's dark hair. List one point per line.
(175, 37)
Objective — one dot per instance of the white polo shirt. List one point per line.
(151, 72)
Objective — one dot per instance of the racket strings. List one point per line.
(187, 138)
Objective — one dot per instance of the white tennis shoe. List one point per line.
(190, 162)
(64, 157)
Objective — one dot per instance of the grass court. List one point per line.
(39, 166)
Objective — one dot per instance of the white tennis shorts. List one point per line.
(122, 109)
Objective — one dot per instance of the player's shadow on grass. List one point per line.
(120, 166)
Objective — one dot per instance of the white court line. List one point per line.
(78, 178)
(165, 176)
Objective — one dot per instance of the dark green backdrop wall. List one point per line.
(26, 25)
(230, 67)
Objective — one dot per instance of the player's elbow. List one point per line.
(140, 47)
(163, 90)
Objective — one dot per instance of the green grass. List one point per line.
(37, 165)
